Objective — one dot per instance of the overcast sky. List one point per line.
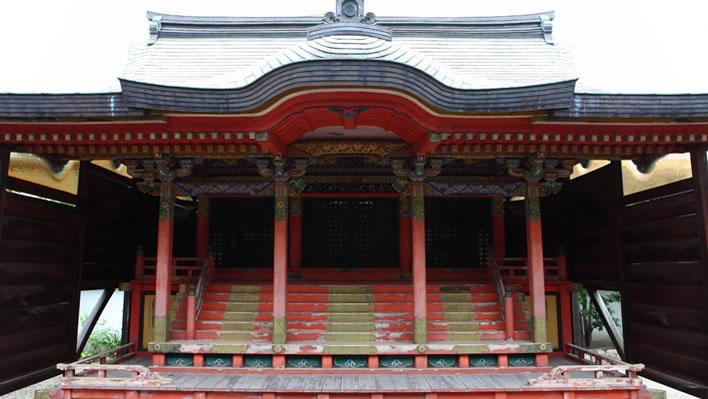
(625, 46)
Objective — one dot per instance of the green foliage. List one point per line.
(591, 318)
(102, 339)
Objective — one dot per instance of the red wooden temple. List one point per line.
(353, 206)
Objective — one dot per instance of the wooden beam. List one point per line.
(271, 143)
(93, 320)
(426, 144)
(608, 322)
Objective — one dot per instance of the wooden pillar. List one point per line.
(420, 307)
(534, 242)
(163, 274)
(4, 181)
(202, 226)
(498, 227)
(699, 168)
(295, 234)
(405, 233)
(566, 316)
(280, 263)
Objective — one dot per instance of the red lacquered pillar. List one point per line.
(420, 306)
(280, 263)
(164, 261)
(534, 242)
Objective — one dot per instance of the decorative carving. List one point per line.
(404, 206)
(538, 169)
(320, 149)
(497, 205)
(348, 112)
(418, 201)
(147, 172)
(533, 201)
(281, 201)
(281, 169)
(419, 171)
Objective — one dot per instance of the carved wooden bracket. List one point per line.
(281, 169)
(147, 172)
(417, 170)
(538, 169)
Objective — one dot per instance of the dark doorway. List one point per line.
(350, 232)
(457, 232)
(241, 232)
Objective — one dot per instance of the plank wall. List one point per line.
(38, 281)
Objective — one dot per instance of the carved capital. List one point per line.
(147, 172)
(417, 170)
(281, 169)
(497, 205)
(538, 169)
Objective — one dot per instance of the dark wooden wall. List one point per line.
(593, 218)
(110, 245)
(38, 282)
(53, 245)
(649, 246)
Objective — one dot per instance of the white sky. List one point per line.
(625, 46)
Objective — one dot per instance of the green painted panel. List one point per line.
(396, 362)
(304, 362)
(484, 361)
(442, 361)
(350, 362)
(179, 360)
(522, 360)
(259, 362)
(218, 361)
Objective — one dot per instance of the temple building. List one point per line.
(350, 206)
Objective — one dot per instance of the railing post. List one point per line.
(509, 313)
(139, 263)
(191, 312)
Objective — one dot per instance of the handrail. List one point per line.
(87, 365)
(202, 284)
(498, 283)
(588, 356)
(195, 297)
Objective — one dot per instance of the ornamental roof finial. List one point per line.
(350, 10)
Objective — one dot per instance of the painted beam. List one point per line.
(163, 273)
(420, 306)
(534, 242)
(280, 263)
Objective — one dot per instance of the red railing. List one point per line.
(516, 269)
(195, 296)
(504, 296)
(182, 268)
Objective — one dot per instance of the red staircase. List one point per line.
(352, 313)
